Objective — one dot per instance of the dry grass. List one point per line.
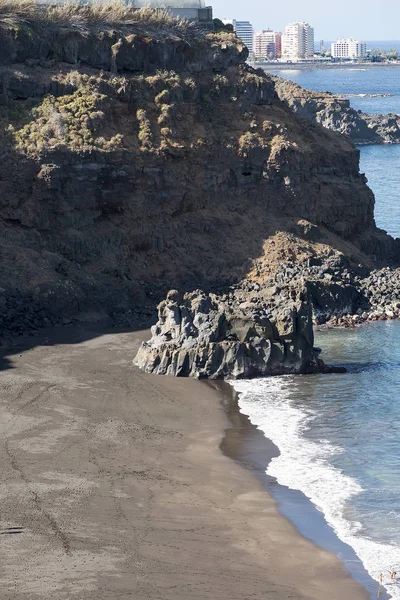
(75, 121)
(87, 18)
(250, 142)
(145, 134)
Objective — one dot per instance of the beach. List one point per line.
(114, 486)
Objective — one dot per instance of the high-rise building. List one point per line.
(348, 49)
(245, 31)
(298, 42)
(267, 44)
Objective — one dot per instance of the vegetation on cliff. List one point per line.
(149, 157)
(24, 16)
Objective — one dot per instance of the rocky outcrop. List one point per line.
(341, 293)
(335, 113)
(206, 336)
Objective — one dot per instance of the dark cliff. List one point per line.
(139, 153)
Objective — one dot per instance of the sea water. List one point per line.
(339, 435)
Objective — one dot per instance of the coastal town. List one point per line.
(296, 44)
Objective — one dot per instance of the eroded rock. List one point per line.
(335, 113)
(204, 336)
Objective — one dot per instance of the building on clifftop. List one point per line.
(192, 10)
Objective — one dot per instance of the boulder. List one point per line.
(203, 336)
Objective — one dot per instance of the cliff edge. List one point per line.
(140, 153)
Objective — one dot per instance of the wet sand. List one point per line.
(113, 486)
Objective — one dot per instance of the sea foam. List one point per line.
(304, 465)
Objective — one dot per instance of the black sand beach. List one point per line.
(120, 490)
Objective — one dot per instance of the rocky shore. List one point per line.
(266, 330)
(335, 113)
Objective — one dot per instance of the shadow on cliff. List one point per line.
(83, 233)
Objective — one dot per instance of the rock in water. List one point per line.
(204, 336)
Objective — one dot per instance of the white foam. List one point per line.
(304, 465)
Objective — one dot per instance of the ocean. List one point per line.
(385, 45)
(339, 435)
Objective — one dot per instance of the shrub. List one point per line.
(71, 121)
(218, 83)
(166, 112)
(145, 135)
(190, 83)
(249, 142)
(162, 97)
(220, 26)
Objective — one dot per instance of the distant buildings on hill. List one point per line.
(348, 49)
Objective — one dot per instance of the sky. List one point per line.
(365, 20)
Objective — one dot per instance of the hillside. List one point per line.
(140, 154)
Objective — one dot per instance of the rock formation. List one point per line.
(206, 336)
(266, 328)
(335, 113)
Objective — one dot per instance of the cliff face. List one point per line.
(335, 113)
(139, 157)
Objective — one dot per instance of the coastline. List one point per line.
(248, 446)
(119, 486)
(273, 66)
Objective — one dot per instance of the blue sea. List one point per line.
(385, 45)
(339, 435)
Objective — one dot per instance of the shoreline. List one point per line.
(133, 495)
(273, 66)
(247, 445)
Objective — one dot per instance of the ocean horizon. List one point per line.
(380, 44)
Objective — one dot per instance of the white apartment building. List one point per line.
(244, 30)
(267, 44)
(348, 49)
(298, 42)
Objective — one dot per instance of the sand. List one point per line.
(117, 488)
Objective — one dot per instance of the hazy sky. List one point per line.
(366, 19)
